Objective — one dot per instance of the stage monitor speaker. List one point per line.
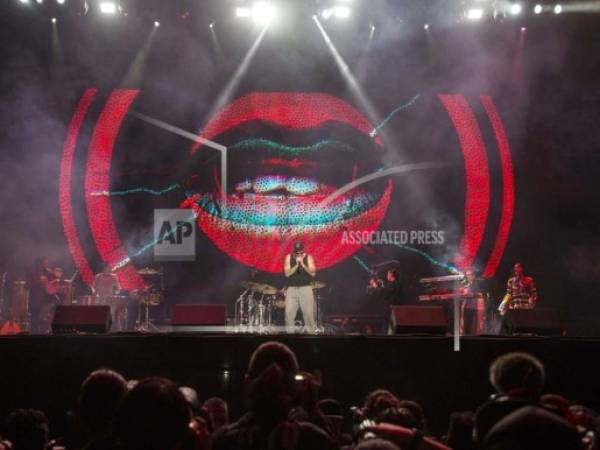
(544, 322)
(81, 319)
(199, 318)
(418, 320)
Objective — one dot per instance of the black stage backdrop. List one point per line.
(297, 128)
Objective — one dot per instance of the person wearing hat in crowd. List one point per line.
(299, 268)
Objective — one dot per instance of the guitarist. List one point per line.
(521, 293)
(43, 286)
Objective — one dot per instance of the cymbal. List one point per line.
(262, 288)
(267, 289)
(318, 284)
(148, 271)
(248, 285)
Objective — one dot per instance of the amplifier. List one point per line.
(81, 319)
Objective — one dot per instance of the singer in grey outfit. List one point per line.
(299, 268)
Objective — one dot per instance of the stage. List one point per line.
(45, 371)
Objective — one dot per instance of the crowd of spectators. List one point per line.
(283, 411)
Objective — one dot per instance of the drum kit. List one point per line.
(125, 305)
(256, 307)
(147, 298)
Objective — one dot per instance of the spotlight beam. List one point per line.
(366, 105)
(216, 44)
(233, 83)
(57, 52)
(134, 76)
(224, 98)
(355, 87)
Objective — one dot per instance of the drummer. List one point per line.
(106, 287)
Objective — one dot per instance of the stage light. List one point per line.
(558, 9)
(523, 29)
(263, 12)
(341, 12)
(39, 2)
(211, 25)
(515, 9)
(108, 7)
(156, 24)
(242, 12)
(24, 1)
(327, 13)
(426, 26)
(475, 14)
(537, 9)
(54, 20)
(60, 2)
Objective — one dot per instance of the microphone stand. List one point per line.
(239, 310)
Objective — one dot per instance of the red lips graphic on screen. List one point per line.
(286, 153)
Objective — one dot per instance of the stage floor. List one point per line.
(46, 371)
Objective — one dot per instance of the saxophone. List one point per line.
(504, 304)
(374, 283)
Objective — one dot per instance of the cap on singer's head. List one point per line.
(298, 246)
